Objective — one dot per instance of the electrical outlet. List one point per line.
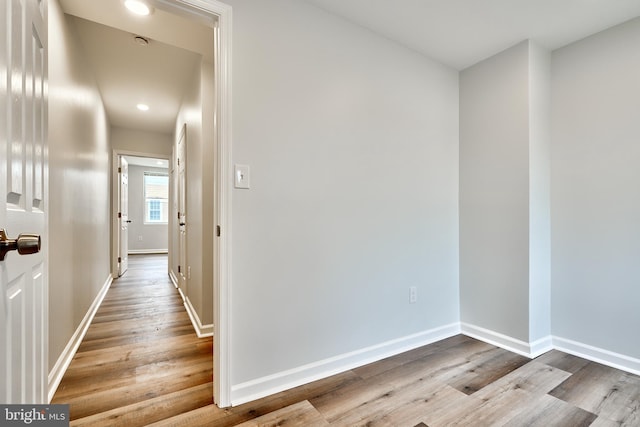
(139, 238)
(413, 294)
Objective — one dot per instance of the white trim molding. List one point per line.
(201, 330)
(545, 344)
(530, 350)
(173, 278)
(599, 355)
(271, 384)
(58, 370)
(147, 251)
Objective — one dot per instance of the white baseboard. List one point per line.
(599, 355)
(275, 383)
(173, 278)
(147, 251)
(56, 374)
(541, 346)
(201, 330)
(514, 345)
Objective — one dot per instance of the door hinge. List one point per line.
(179, 269)
(119, 170)
(178, 161)
(119, 214)
(178, 215)
(218, 230)
(119, 259)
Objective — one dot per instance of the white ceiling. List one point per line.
(128, 73)
(460, 33)
(457, 33)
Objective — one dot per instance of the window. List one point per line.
(156, 197)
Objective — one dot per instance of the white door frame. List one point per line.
(123, 205)
(115, 183)
(219, 15)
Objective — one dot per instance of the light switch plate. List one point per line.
(241, 173)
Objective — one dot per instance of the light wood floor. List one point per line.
(141, 364)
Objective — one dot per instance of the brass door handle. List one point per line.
(25, 244)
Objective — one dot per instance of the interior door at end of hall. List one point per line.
(123, 216)
(23, 202)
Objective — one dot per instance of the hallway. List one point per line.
(140, 360)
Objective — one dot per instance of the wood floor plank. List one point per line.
(205, 416)
(151, 410)
(456, 342)
(605, 391)
(115, 393)
(534, 377)
(548, 411)
(483, 371)
(564, 361)
(299, 414)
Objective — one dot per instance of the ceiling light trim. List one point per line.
(139, 7)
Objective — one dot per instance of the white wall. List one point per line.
(494, 193)
(198, 117)
(144, 237)
(505, 198)
(595, 190)
(78, 185)
(539, 193)
(352, 144)
(140, 141)
(208, 159)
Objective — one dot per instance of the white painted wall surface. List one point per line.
(208, 159)
(198, 116)
(79, 155)
(352, 144)
(144, 237)
(596, 190)
(140, 141)
(494, 193)
(539, 193)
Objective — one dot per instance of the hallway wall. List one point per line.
(79, 157)
(196, 112)
(141, 141)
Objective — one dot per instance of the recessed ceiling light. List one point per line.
(142, 107)
(138, 7)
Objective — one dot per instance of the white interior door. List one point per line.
(123, 216)
(23, 201)
(182, 214)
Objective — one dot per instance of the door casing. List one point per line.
(123, 215)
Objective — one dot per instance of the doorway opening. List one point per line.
(140, 207)
(143, 200)
(216, 16)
